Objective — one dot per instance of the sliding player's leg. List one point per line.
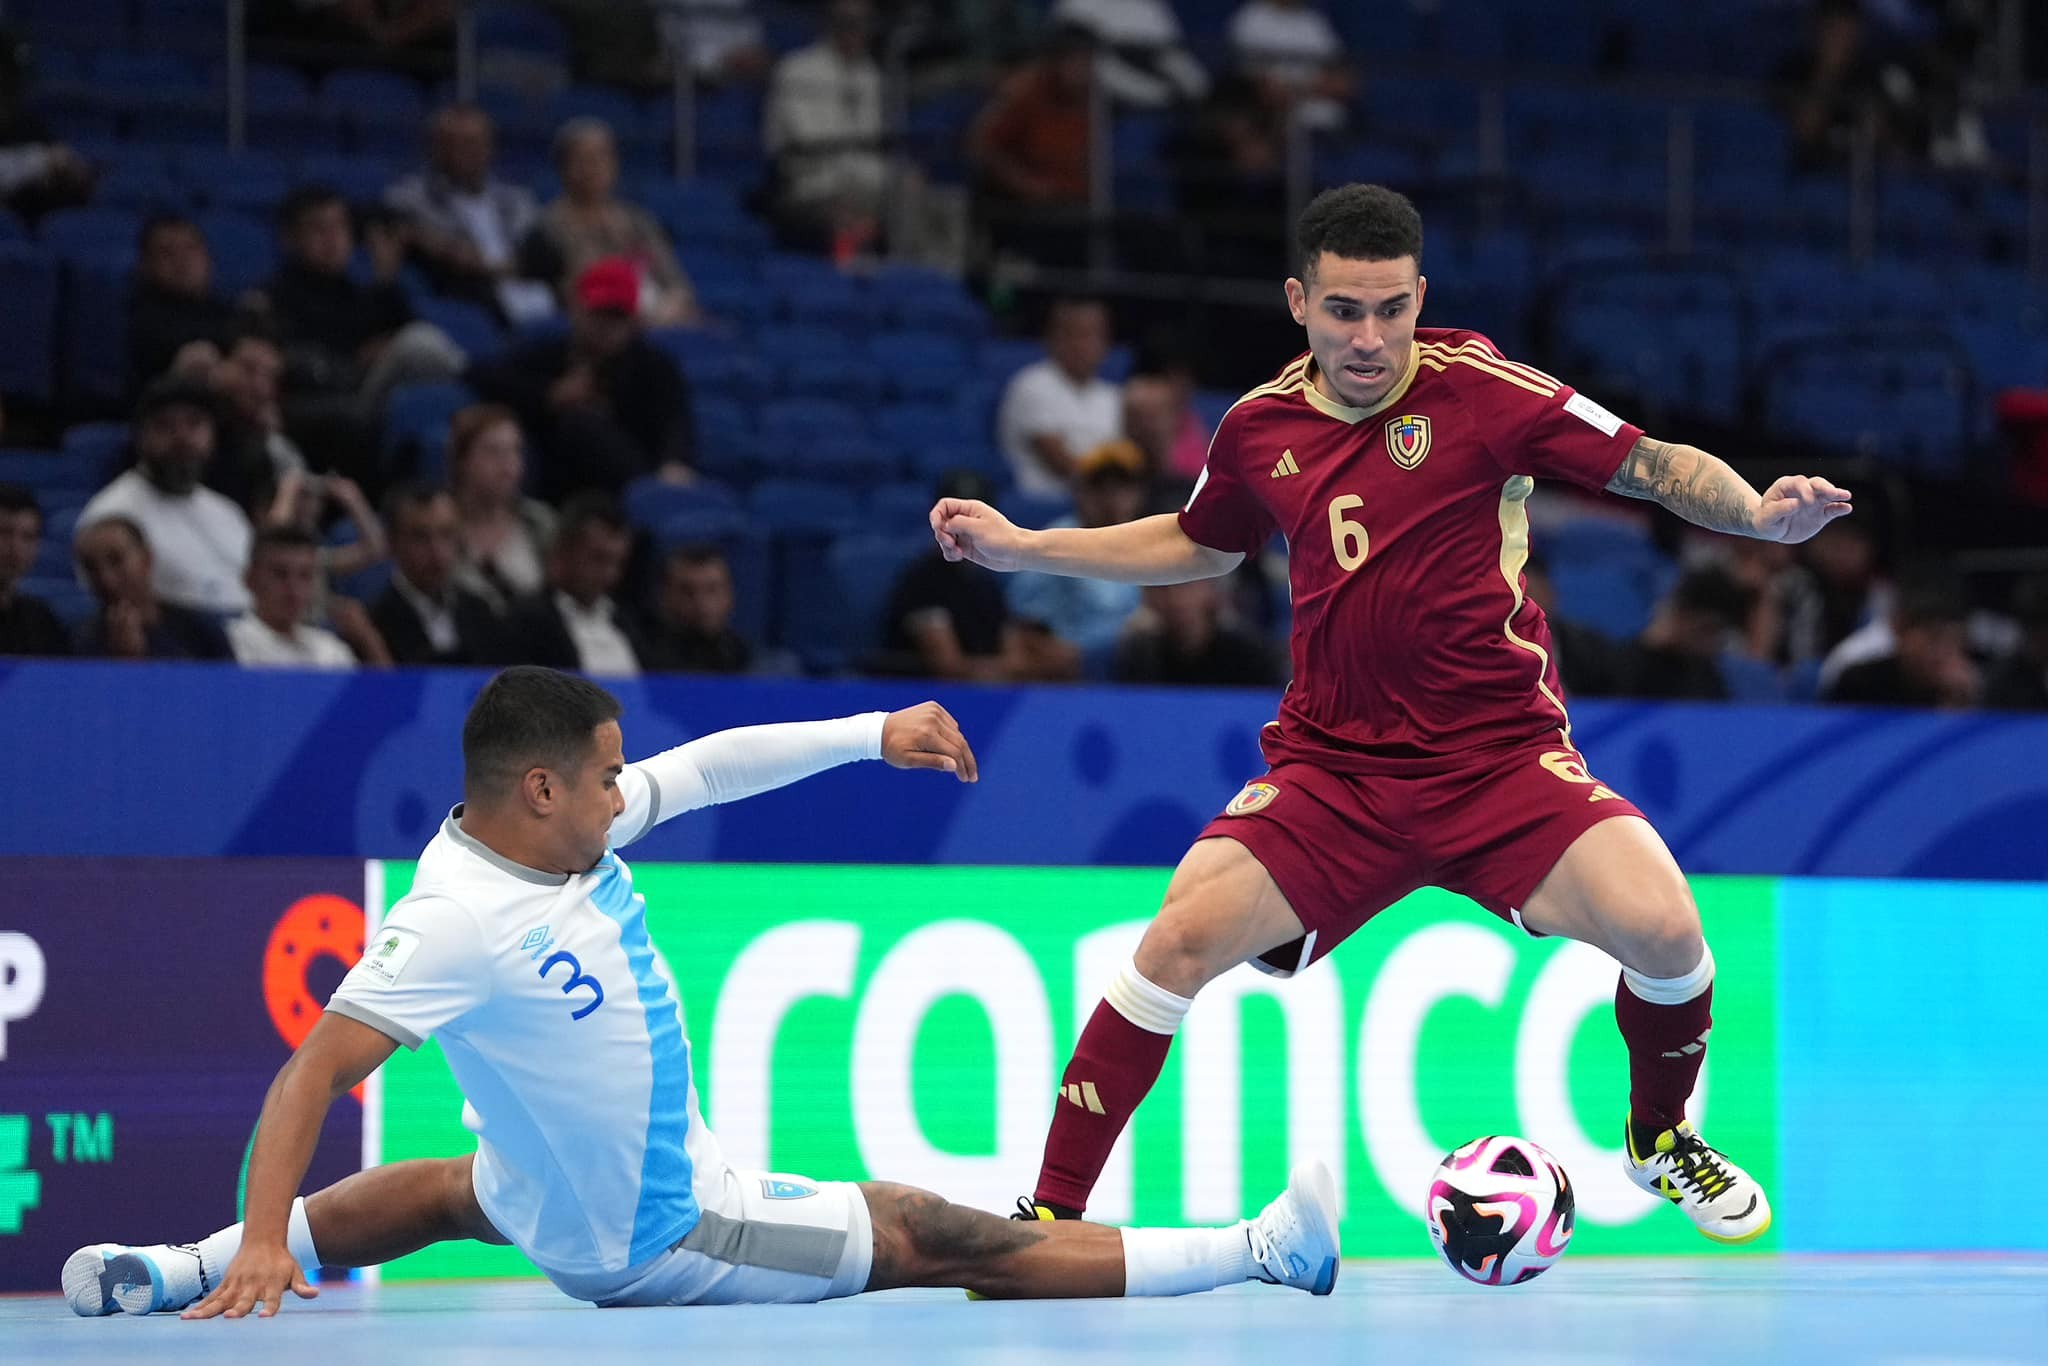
(366, 1219)
(921, 1239)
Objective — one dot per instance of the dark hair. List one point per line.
(1358, 223)
(118, 520)
(159, 222)
(283, 538)
(693, 554)
(409, 493)
(585, 510)
(472, 422)
(1713, 592)
(301, 200)
(527, 718)
(15, 498)
(1929, 593)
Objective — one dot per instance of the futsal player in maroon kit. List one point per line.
(1424, 739)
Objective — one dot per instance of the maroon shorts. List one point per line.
(1344, 847)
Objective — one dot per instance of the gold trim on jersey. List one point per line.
(1514, 553)
(1441, 357)
(1329, 407)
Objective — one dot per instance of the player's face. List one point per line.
(591, 800)
(1360, 317)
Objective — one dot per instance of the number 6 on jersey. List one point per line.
(1347, 537)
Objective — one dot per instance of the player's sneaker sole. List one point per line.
(1300, 1232)
(88, 1288)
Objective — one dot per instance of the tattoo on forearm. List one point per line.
(1690, 483)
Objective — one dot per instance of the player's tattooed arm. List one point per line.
(1688, 481)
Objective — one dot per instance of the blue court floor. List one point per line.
(1809, 1310)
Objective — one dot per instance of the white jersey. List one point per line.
(559, 1018)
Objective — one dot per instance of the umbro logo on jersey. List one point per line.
(1285, 467)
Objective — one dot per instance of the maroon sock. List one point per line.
(1666, 1045)
(1114, 1065)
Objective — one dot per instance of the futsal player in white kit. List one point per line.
(523, 948)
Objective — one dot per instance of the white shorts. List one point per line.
(765, 1239)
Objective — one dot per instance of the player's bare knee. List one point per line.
(1180, 951)
(1669, 942)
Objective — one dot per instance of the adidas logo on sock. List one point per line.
(1285, 467)
(1695, 1046)
(1082, 1093)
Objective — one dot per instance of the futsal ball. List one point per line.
(1500, 1210)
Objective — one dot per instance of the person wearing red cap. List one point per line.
(603, 404)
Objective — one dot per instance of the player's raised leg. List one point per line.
(367, 1219)
(921, 1239)
(1221, 908)
(1618, 888)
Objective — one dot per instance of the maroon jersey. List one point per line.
(1414, 646)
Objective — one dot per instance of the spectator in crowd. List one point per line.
(1229, 166)
(1928, 663)
(589, 223)
(466, 225)
(692, 630)
(313, 503)
(171, 303)
(1678, 655)
(951, 621)
(723, 42)
(823, 126)
(196, 539)
(1847, 618)
(1145, 61)
(425, 616)
(1292, 50)
(1181, 636)
(1056, 409)
(2020, 683)
(38, 172)
(1588, 663)
(502, 535)
(1159, 413)
(605, 404)
(1031, 149)
(284, 574)
(133, 622)
(27, 625)
(253, 453)
(1087, 615)
(342, 337)
(577, 623)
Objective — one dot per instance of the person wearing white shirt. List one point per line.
(1058, 409)
(823, 126)
(574, 623)
(284, 570)
(1294, 49)
(523, 949)
(468, 223)
(199, 539)
(1145, 61)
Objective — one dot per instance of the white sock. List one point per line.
(1180, 1261)
(218, 1250)
(1144, 1003)
(1672, 991)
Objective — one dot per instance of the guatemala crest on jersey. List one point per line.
(1408, 440)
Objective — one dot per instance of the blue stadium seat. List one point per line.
(519, 28)
(49, 474)
(841, 618)
(810, 292)
(254, 181)
(375, 97)
(741, 303)
(921, 365)
(819, 363)
(28, 282)
(416, 427)
(85, 23)
(141, 190)
(71, 232)
(12, 229)
(650, 502)
(1608, 575)
(714, 363)
(890, 508)
(820, 439)
(94, 324)
(1750, 680)
(243, 249)
(911, 428)
(359, 180)
(728, 444)
(916, 297)
(99, 446)
(469, 325)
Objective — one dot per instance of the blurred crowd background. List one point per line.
(640, 336)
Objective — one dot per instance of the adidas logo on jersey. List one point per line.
(1082, 1093)
(1285, 467)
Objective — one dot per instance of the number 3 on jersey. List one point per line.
(1347, 537)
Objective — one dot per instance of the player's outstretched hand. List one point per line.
(257, 1275)
(971, 530)
(927, 736)
(1796, 507)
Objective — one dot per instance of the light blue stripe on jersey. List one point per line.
(668, 1203)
